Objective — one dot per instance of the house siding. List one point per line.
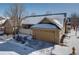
(52, 35)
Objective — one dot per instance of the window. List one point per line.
(26, 26)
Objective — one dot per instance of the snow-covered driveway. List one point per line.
(12, 48)
(9, 48)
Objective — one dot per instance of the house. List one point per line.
(74, 22)
(5, 25)
(10, 26)
(49, 30)
(29, 21)
(46, 28)
(2, 21)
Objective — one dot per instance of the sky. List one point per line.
(39, 8)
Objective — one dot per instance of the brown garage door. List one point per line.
(45, 35)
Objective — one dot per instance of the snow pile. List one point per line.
(29, 37)
(45, 51)
(61, 50)
(8, 53)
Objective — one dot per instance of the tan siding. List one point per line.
(56, 36)
(7, 28)
(46, 35)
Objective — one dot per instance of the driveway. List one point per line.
(9, 48)
(35, 47)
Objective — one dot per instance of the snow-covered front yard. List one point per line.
(31, 47)
(36, 47)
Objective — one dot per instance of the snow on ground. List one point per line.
(36, 47)
(41, 48)
(45, 51)
(61, 50)
(14, 48)
(8, 53)
(70, 42)
(11, 47)
(73, 41)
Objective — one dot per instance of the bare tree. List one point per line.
(74, 21)
(16, 13)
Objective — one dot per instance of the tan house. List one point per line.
(49, 30)
(28, 22)
(10, 26)
(2, 21)
(46, 28)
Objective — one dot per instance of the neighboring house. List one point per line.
(2, 21)
(49, 30)
(10, 26)
(74, 22)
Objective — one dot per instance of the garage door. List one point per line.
(45, 35)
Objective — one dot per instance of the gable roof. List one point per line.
(12, 22)
(2, 21)
(53, 21)
(32, 20)
(37, 19)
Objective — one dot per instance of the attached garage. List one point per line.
(47, 32)
(45, 28)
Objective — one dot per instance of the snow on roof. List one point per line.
(37, 19)
(32, 20)
(45, 26)
(2, 21)
(55, 21)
